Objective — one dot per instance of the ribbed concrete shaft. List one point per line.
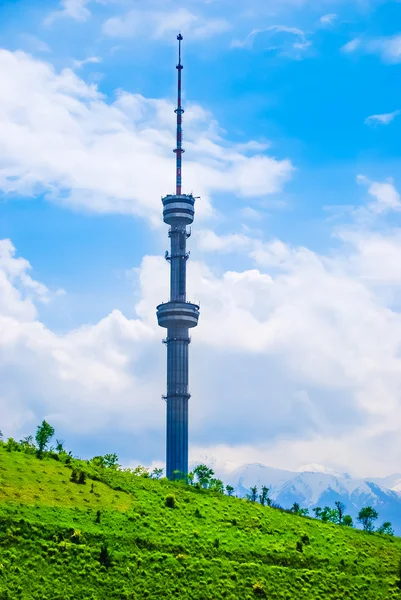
(177, 402)
(178, 258)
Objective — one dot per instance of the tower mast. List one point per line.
(179, 112)
(177, 315)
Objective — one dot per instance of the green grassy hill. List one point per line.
(113, 537)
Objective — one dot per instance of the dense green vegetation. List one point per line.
(72, 529)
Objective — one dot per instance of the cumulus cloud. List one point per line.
(82, 379)
(328, 19)
(388, 48)
(352, 45)
(70, 9)
(384, 194)
(60, 136)
(164, 24)
(383, 119)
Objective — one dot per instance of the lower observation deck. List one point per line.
(178, 314)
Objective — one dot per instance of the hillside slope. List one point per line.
(311, 487)
(60, 540)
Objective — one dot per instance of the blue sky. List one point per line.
(291, 129)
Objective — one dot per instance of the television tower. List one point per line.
(177, 315)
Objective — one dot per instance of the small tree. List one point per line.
(328, 515)
(60, 446)
(139, 471)
(27, 444)
(217, 486)
(386, 528)
(318, 512)
(347, 521)
(204, 475)
(229, 490)
(156, 473)
(297, 510)
(340, 509)
(263, 497)
(111, 460)
(366, 517)
(97, 461)
(253, 496)
(44, 434)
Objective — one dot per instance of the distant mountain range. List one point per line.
(315, 485)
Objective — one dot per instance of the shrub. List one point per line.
(305, 540)
(198, 513)
(12, 446)
(259, 590)
(98, 513)
(216, 543)
(77, 537)
(386, 529)
(300, 546)
(105, 556)
(78, 476)
(171, 502)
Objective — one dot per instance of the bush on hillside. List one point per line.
(259, 590)
(105, 557)
(170, 501)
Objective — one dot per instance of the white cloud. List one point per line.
(209, 241)
(383, 119)
(352, 45)
(80, 377)
(60, 136)
(33, 43)
(388, 48)
(71, 9)
(280, 39)
(328, 19)
(90, 60)
(385, 195)
(163, 24)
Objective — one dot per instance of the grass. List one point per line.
(56, 545)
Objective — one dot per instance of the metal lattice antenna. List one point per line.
(179, 112)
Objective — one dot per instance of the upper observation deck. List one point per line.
(178, 209)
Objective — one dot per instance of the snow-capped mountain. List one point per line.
(314, 485)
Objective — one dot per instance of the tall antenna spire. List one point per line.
(179, 112)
